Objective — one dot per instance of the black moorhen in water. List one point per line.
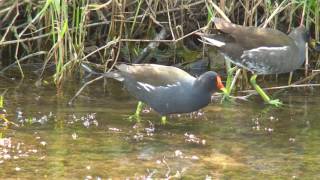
(167, 89)
(259, 50)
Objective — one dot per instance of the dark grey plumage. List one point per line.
(167, 89)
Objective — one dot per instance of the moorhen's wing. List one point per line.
(154, 75)
(252, 37)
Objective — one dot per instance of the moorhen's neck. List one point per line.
(300, 37)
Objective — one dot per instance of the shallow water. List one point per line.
(94, 140)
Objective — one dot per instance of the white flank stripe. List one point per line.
(214, 42)
(146, 86)
(171, 85)
(282, 48)
(253, 52)
(149, 87)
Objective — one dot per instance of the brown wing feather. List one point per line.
(156, 75)
(252, 37)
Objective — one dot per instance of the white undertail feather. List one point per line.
(213, 42)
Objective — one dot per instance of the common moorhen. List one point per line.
(259, 50)
(167, 89)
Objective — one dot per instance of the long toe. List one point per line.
(275, 102)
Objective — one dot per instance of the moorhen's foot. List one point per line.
(275, 102)
(163, 120)
(226, 94)
(3, 118)
(225, 98)
(135, 117)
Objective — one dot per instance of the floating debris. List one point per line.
(5, 142)
(10, 150)
(114, 129)
(150, 130)
(256, 125)
(194, 157)
(194, 115)
(178, 153)
(191, 138)
(18, 169)
(87, 120)
(43, 143)
(33, 150)
(138, 137)
(74, 136)
(292, 140)
(269, 130)
(88, 177)
(272, 118)
(43, 119)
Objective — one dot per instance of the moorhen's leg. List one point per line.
(227, 90)
(290, 78)
(265, 97)
(3, 115)
(136, 115)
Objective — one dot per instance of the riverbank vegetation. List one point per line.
(54, 36)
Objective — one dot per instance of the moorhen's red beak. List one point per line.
(220, 86)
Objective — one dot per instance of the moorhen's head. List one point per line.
(300, 34)
(209, 82)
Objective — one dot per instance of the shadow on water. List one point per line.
(93, 139)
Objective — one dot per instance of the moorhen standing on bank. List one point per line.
(167, 89)
(259, 50)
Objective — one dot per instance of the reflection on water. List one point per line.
(94, 140)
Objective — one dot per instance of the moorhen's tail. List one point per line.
(217, 40)
(222, 36)
(114, 74)
(225, 26)
(212, 40)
